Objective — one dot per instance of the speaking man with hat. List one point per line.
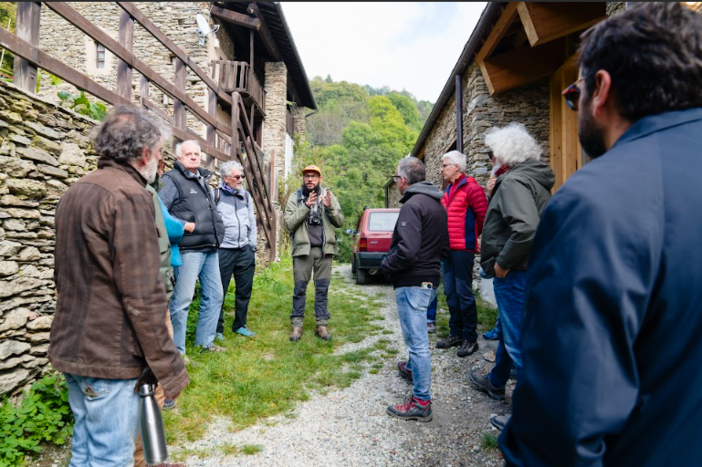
(311, 214)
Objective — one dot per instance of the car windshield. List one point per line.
(382, 221)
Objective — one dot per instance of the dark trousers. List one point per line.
(241, 263)
(458, 287)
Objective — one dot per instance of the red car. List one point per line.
(372, 241)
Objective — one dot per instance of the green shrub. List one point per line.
(43, 415)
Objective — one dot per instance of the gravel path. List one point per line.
(350, 427)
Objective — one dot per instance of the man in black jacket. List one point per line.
(187, 196)
(413, 267)
(613, 313)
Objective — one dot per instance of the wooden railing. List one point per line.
(239, 77)
(29, 58)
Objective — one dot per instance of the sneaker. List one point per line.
(499, 421)
(219, 337)
(491, 335)
(467, 348)
(169, 404)
(296, 333)
(411, 410)
(483, 383)
(245, 332)
(213, 348)
(431, 328)
(404, 372)
(449, 341)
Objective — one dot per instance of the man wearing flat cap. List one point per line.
(311, 214)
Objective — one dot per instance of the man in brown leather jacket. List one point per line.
(110, 321)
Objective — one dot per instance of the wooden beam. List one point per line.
(113, 46)
(546, 21)
(235, 18)
(176, 50)
(266, 35)
(27, 28)
(521, 66)
(501, 27)
(126, 40)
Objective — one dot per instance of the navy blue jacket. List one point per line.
(612, 332)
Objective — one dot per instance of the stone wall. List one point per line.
(615, 7)
(273, 141)
(43, 149)
(175, 19)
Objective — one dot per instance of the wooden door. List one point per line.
(566, 152)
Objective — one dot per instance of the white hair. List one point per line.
(226, 168)
(512, 144)
(176, 150)
(456, 157)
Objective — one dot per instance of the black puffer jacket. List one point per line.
(419, 240)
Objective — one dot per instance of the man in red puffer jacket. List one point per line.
(466, 204)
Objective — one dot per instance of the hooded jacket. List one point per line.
(420, 238)
(513, 213)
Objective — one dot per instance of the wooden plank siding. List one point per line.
(566, 152)
(30, 57)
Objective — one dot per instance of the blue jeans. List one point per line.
(205, 266)
(107, 421)
(458, 287)
(431, 311)
(510, 294)
(412, 303)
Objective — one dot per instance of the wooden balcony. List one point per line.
(239, 77)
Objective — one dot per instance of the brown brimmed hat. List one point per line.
(312, 168)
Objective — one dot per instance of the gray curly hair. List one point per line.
(126, 132)
(512, 144)
(226, 168)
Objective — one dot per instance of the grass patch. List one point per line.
(267, 375)
(251, 449)
(489, 443)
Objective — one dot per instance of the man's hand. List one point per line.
(327, 199)
(311, 200)
(499, 272)
(189, 227)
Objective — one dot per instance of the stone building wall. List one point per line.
(273, 141)
(175, 19)
(43, 150)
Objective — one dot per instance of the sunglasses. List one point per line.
(572, 95)
(238, 177)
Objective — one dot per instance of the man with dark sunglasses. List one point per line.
(616, 265)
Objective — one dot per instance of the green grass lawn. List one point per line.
(267, 375)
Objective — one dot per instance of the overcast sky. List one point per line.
(412, 46)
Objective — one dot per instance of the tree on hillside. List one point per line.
(407, 108)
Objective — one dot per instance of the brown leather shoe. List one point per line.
(296, 333)
(322, 333)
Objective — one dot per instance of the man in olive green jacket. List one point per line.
(311, 214)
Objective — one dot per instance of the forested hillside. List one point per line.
(357, 137)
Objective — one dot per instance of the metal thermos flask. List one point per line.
(153, 435)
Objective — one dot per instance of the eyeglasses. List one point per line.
(238, 177)
(572, 95)
(397, 178)
(447, 165)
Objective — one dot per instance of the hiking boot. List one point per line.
(467, 348)
(404, 372)
(412, 410)
(483, 383)
(449, 341)
(322, 332)
(499, 421)
(296, 333)
(431, 328)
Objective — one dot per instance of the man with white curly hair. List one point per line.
(516, 203)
